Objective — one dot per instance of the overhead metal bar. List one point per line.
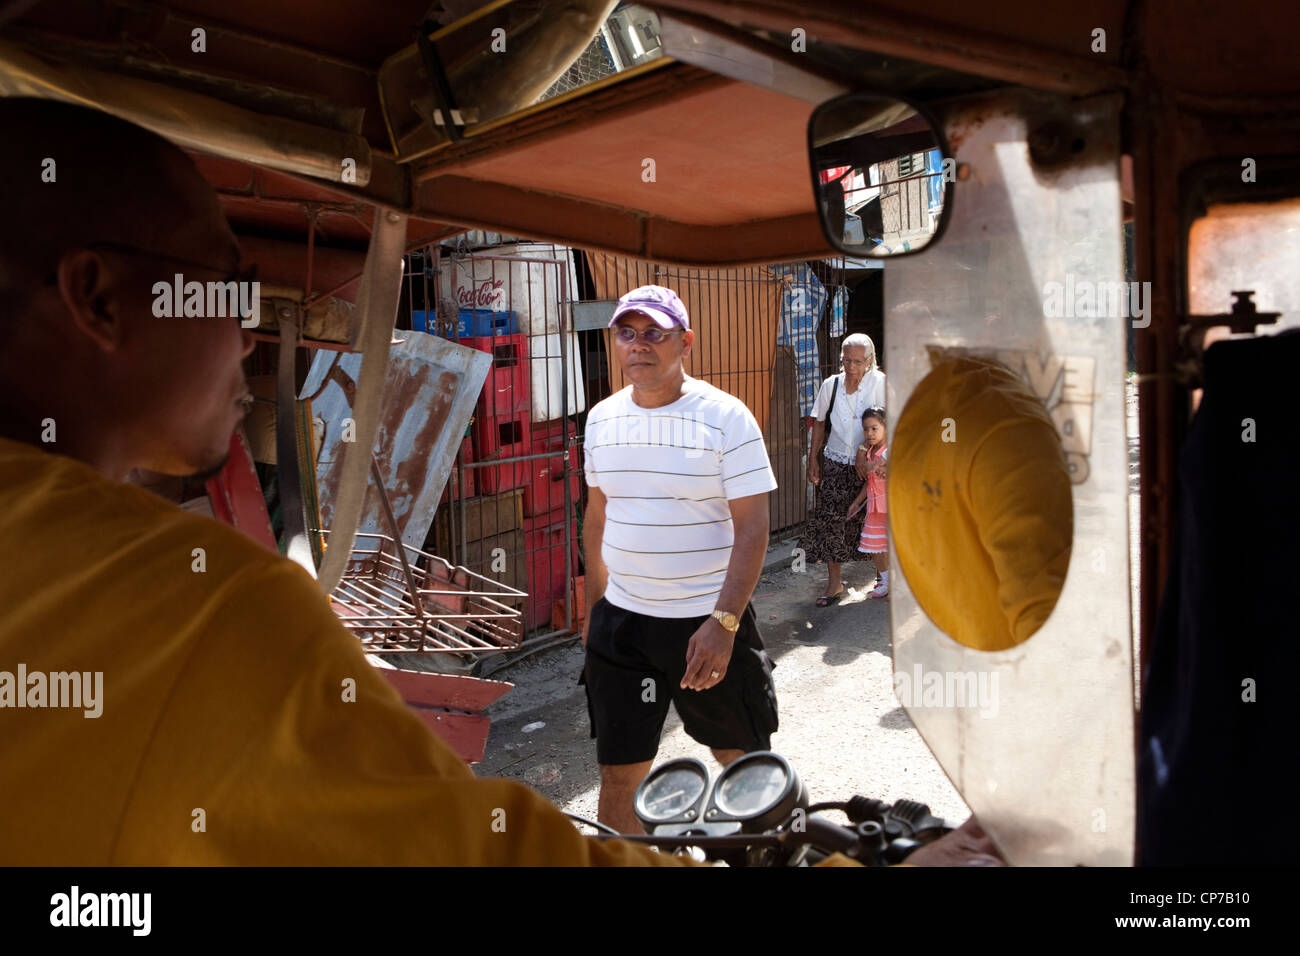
(377, 298)
(924, 37)
(188, 119)
(292, 515)
(438, 82)
(731, 52)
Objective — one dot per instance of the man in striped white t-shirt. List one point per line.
(675, 532)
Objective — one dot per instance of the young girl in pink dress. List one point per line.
(874, 540)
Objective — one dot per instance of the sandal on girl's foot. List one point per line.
(826, 599)
(879, 591)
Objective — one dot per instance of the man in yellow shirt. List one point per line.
(980, 503)
(209, 722)
(170, 691)
(223, 734)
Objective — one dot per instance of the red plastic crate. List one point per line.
(544, 490)
(497, 437)
(464, 484)
(547, 577)
(506, 389)
(577, 611)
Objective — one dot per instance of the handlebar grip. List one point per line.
(831, 836)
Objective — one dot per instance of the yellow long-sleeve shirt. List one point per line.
(980, 504)
(224, 736)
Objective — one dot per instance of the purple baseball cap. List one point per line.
(656, 301)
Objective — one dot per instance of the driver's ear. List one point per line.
(91, 289)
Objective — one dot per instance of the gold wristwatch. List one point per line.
(727, 620)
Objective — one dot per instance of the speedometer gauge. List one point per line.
(752, 788)
(759, 790)
(672, 793)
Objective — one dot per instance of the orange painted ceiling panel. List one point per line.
(729, 153)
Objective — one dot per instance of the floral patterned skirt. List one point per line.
(829, 535)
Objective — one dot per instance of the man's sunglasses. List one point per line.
(653, 335)
(244, 275)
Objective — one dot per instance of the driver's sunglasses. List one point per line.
(239, 275)
(652, 336)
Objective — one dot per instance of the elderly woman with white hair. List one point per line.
(836, 437)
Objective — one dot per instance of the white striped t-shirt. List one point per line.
(667, 474)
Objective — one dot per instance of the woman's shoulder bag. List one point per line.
(831, 406)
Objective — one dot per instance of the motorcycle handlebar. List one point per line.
(877, 833)
(866, 842)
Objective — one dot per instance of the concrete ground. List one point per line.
(841, 727)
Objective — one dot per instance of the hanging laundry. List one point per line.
(801, 310)
(839, 299)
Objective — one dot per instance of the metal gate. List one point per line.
(510, 511)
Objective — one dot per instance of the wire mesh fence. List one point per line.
(512, 504)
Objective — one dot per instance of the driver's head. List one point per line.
(79, 341)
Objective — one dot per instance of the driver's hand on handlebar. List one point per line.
(968, 845)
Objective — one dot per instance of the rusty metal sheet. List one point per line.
(429, 395)
(377, 301)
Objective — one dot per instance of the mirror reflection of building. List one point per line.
(879, 175)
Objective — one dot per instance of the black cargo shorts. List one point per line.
(634, 668)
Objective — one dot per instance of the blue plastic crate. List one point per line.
(487, 322)
(420, 320)
(471, 323)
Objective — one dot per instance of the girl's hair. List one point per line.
(859, 340)
(874, 411)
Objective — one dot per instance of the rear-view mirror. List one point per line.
(881, 177)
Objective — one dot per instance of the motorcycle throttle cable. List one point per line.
(593, 823)
(829, 805)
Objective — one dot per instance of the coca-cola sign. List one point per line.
(488, 294)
